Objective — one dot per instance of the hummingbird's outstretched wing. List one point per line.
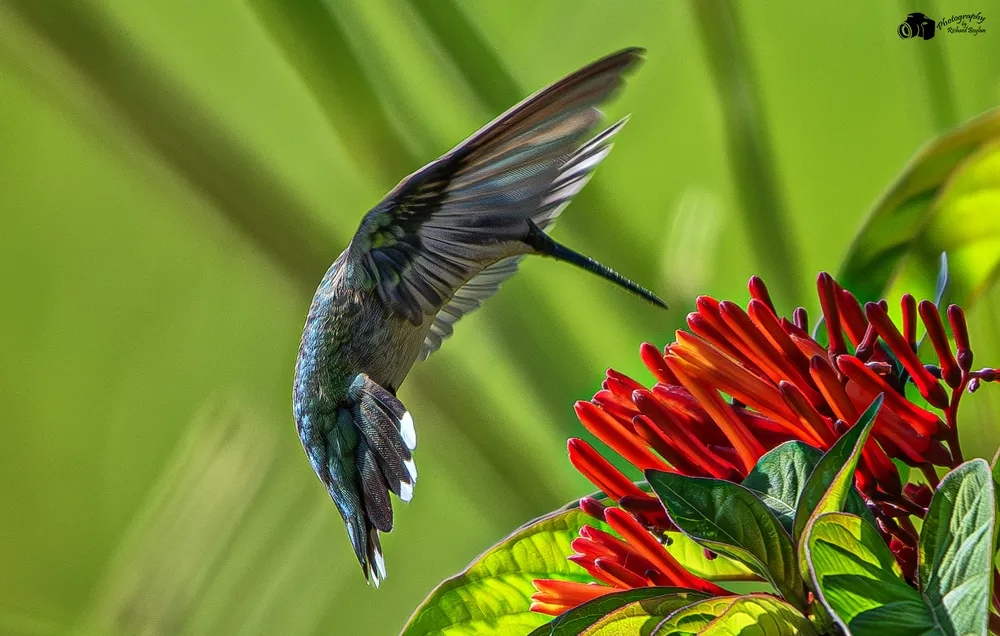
(448, 235)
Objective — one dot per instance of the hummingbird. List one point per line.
(437, 246)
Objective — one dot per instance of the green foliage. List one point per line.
(583, 616)
(757, 614)
(780, 476)
(858, 580)
(492, 594)
(941, 202)
(957, 549)
(841, 556)
(832, 479)
(692, 557)
(729, 519)
(639, 617)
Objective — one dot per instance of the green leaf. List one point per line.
(493, 594)
(782, 473)
(831, 480)
(956, 549)
(940, 203)
(729, 519)
(757, 614)
(574, 621)
(641, 616)
(688, 553)
(692, 556)
(942, 286)
(858, 580)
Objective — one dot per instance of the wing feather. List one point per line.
(449, 235)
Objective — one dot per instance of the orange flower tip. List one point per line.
(729, 307)
(758, 290)
(840, 427)
(800, 318)
(550, 590)
(960, 329)
(548, 609)
(653, 360)
(582, 546)
(593, 507)
(908, 306)
(706, 302)
(827, 288)
(623, 379)
(935, 331)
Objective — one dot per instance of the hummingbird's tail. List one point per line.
(361, 459)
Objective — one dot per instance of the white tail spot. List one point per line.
(411, 468)
(406, 430)
(405, 491)
(379, 574)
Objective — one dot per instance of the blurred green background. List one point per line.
(175, 177)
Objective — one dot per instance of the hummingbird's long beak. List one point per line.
(546, 246)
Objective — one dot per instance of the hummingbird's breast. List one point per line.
(349, 330)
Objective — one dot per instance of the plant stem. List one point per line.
(951, 421)
(930, 475)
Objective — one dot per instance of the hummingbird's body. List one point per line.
(433, 250)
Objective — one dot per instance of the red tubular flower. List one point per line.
(593, 507)
(599, 471)
(929, 387)
(908, 306)
(956, 318)
(935, 331)
(851, 316)
(624, 441)
(828, 291)
(555, 597)
(661, 560)
(779, 384)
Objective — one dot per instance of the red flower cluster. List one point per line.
(783, 385)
